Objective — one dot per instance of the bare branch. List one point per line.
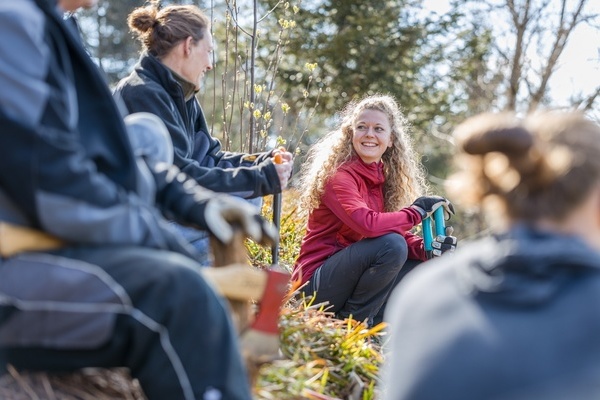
(437, 133)
(589, 102)
(564, 30)
(270, 11)
(234, 14)
(520, 21)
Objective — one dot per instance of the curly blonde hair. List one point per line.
(404, 176)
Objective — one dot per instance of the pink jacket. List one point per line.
(351, 209)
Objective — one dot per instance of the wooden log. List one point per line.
(233, 253)
(15, 239)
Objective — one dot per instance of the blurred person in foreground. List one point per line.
(363, 192)
(514, 315)
(177, 48)
(116, 286)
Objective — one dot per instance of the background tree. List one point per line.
(435, 65)
(108, 39)
(523, 48)
(377, 46)
(530, 39)
(284, 68)
(243, 97)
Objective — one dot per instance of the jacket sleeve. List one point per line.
(342, 197)
(244, 181)
(209, 151)
(52, 180)
(227, 159)
(416, 247)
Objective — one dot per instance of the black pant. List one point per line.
(170, 329)
(358, 280)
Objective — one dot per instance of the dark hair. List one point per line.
(161, 29)
(537, 167)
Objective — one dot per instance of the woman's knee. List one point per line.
(394, 247)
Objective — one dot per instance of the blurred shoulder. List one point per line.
(22, 13)
(440, 281)
(433, 278)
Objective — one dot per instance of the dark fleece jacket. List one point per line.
(151, 87)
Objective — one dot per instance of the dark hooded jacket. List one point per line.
(509, 317)
(151, 87)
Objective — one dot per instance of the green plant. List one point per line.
(243, 97)
(324, 358)
(291, 232)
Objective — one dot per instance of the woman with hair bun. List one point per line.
(513, 315)
(177, 52)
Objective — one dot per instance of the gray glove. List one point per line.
(442, 244)
(223, 213)
(426, 205)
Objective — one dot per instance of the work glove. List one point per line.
(182, 199)
(426, 205)
(223, 213)
(444, 243)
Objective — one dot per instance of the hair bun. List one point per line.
(143, 19)
(488, 133)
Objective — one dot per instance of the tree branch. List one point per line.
(565, 29)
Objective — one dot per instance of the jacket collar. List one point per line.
(151, 66)
(189, 89)
(523, 266)
(372, 173)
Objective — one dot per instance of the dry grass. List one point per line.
(86, 384)
(323, 358)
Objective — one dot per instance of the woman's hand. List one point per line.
(280, 155)
(284, 162)
(426, 205)
(444, 244)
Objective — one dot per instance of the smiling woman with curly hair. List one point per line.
(359, 182)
